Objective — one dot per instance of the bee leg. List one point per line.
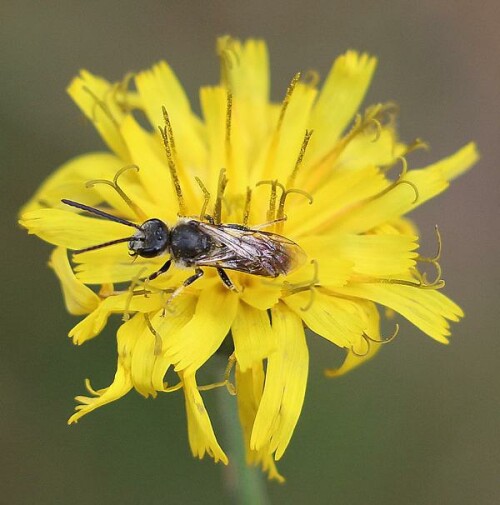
(237, 227)
(162, 270)
(198, 272)
(225, 279)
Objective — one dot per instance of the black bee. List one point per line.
(196, 244)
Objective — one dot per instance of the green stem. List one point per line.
(245, 484)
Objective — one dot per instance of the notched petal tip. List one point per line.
(78, 298)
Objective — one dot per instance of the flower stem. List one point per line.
(245, 484)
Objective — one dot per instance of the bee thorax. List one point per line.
(187, 241)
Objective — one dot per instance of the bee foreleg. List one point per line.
(162, 270)
(225, 279)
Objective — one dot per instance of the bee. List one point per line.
(195, 244)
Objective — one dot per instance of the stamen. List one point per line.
(401, 181)
(229, 57)
(373, 116)
(280, 217)
(98, 102)
(383, 340)
(292, 289)
(171, 389)
(271, 153)
(398, 182)
(221, 186)
(91, 390)
(287, 99)
(378, 130)
(158, 339)
(419, 283)
(231, 388)
(271, 212)
(437, 256)
(415, 145)
(369, 341)
(206, 198)
(246, 211)
(311, 78)
(120, 94)
(131, 293)
(229, 110)
(114, 184)
(434, 260)
(170, 132)
(169, 143)
(228, 147)
(281, 207)
(298, 164)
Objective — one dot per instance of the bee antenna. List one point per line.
(99, 213)
(105, 244)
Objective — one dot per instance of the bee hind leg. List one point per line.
(225, 279)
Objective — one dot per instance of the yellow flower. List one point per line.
(309, 168)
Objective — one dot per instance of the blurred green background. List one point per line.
(417, 425)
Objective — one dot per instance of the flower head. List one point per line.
(309, 187)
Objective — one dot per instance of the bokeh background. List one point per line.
(417, 425)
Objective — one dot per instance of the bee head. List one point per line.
(151, 239)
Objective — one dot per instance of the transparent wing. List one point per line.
(246, 250)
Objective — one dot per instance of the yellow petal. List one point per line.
(401, 225)
(114, 264)
(213, 101)
(458, 163)
(149, 156)
(340, 321)
(159, 87)
(167, 325)
(429, 181)
(245, 68)
(355, 358)
(339, 99)
(68, 181)
(245, 71)
(201, 434)
(249, 387)
(191, 347)
(73, 231)
(427, 309)
(94, 323)
(78, 298)
(337, 196)
(285, 385)
(368, 254)
(127, 336)
(288, 138)
(74, 181)
(330, 270)
(95, 97)
(252, 336)
(260, 293)
(367, 149)
(142, 362)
